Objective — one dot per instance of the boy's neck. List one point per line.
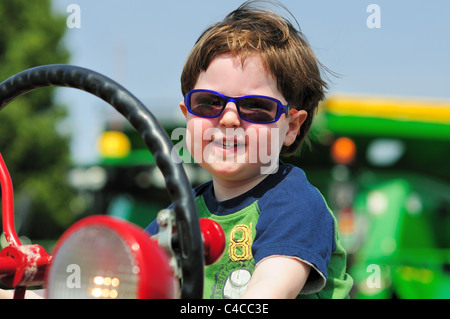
(226, 189)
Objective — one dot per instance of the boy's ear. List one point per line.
(183, 108)
(295, 123)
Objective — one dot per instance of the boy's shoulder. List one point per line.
(290, 180)
(292, 173)
(292, 192)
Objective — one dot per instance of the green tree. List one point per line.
(36, 155)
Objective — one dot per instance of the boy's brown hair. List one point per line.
(284, 52)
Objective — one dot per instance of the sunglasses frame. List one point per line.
(281, 109)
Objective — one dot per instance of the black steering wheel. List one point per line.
(155, 138)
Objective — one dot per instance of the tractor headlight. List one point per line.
(104, 257)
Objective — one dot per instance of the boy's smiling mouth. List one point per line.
(231, 139)
(228, 144)
(226, 149)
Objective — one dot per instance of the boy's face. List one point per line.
(229, 147)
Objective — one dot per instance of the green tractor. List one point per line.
(389, 188)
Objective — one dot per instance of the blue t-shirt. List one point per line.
(283, 215)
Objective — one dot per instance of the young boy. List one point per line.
(252, 85)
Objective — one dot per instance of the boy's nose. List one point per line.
(230, 116)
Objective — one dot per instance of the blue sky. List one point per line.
(142, 44)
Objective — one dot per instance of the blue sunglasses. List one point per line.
(251, 108)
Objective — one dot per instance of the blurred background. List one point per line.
(379, 147)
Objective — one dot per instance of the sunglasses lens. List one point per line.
(206, 103)
(258, 109)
